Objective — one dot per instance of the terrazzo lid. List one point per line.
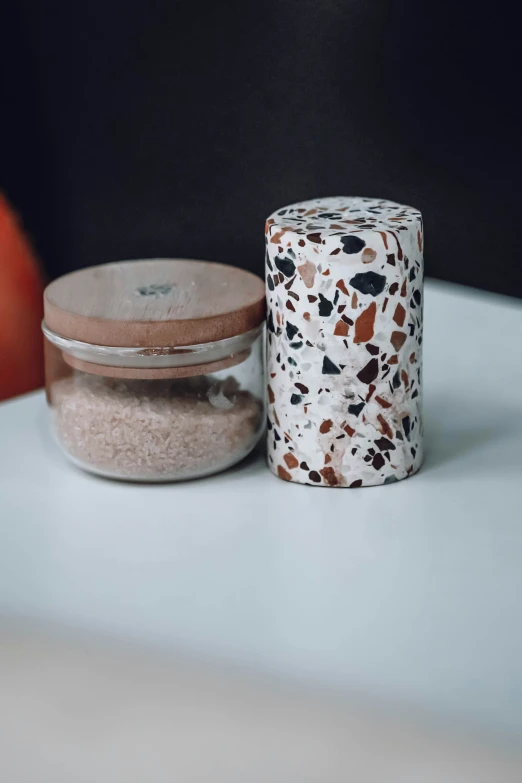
(157, 302)
(337, 215)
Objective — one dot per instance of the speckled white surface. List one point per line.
(344, 293)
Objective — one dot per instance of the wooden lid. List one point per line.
(157, 302)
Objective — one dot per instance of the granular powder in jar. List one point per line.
(154, 430)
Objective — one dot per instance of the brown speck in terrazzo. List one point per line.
(393, 289)
(307, 271)
(384, 403)
(277, 236)
(354, 301)
(349, 430)
(341, 329)
(341, 285)
(291, 461)
(326, 426)
(398, 339)
(283, 474)
(399, 248)
(400, 315)
(371, 390)
(368, 255)
(404, 287)
(385, 427)
(271, 396)
(412, 358)
(330, 476)
(364, 324)
(393, 359)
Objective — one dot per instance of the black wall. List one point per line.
(137, 129)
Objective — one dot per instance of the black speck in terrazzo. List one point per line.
(291, 330)
(329, 368)
(330, 216)
(378, 461)
(270, 322)
(370, 372)
(292, 361)
(356, 409)
(417, 296)
(277, 436)
(268, 423)
(390, 258)
(352, 244)
(356, 483)
(286, 266)
(297, 345)
(295, 399)
(270, 282)
(336, 297)
(372, 349)
(369, 283)
(413, 452)
(396, 380)
(383, 444)
(415, 394)
(314, 476)
(390, 480)
(290, 253)
(278, 358)
(406, 426)
(411, 327)
(413, 274)
(325, 306)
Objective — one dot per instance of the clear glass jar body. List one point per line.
(156, 414)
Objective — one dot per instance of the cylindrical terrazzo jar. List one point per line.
(344, 290)
(154, 369)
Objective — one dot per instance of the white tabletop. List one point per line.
(407, 593)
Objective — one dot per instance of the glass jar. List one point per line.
(157, 411)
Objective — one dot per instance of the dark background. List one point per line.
(135, 129)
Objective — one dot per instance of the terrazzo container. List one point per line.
(344, 291)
